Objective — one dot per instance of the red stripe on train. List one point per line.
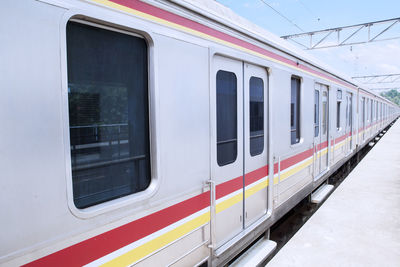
(96, 247)
(286, 163)
(322, 145)
(228, 187)
(256, 175)
(235, 184)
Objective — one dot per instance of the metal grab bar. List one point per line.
(107, 163)
(256, 136)
(213, 217)
(98, 125)
(226, 141)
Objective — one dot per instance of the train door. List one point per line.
(349, 123)
(363, 118)
(321, 122)
(227, 146)
(239, 145)
(255, 148)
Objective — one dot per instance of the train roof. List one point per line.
(224, 15)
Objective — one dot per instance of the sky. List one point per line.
(310, 15)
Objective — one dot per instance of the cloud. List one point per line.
(368, 59)
(389, 68)
(380, 57)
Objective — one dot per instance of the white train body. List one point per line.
(154, 133)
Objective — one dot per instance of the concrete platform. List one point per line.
(359, 224)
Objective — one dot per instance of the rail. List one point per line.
(107, 163)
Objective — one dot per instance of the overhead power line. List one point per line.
(319, 39)
(308, 9)
(379, 79)
(283, 16)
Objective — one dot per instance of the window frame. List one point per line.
(263, 117)
(339, 109)
(364, 111)
(325, 119)
(299, 113)
(236, 119)
(119, 26)
(316, 113)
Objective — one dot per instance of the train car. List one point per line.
(160, 133)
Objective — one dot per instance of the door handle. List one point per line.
(213, 215)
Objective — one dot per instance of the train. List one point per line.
(161, 133)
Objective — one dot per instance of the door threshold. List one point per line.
(321, 174)
(236, 239)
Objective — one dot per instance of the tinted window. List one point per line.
(256, 116)
(339, 99)
(316, 113)
(324, 112)
(295, 111)
(108, 114)
(350, 119)
(339, 94)
(338, 115)
(226, 117)
(363, 110)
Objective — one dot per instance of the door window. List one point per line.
(226, 117)
(256, 116)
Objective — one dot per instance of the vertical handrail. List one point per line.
(271, 184)
(213, 214)
(315, 158)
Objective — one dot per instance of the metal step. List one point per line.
(256, 254)
(321, 193)
(371, 144)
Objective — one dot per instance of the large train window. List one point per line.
(295, 111)
(226, 117)
(108, 114)
(256, 116)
